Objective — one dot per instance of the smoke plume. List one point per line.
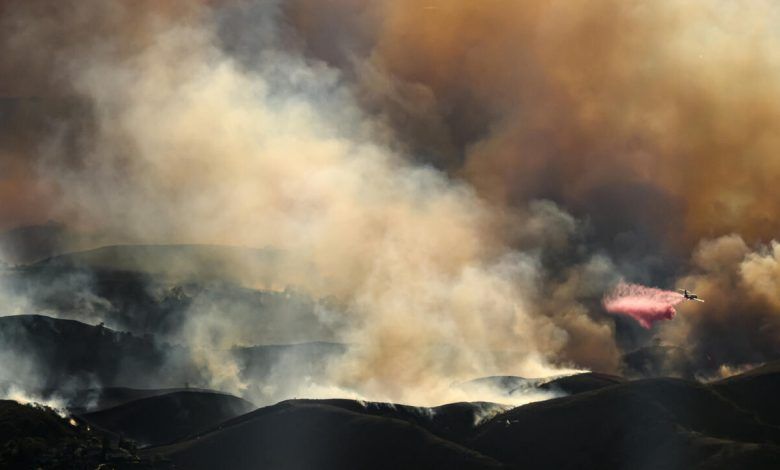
(740, 323)
(182, 143)
(458, 182)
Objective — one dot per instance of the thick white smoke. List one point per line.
(187, 145)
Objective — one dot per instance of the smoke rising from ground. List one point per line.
(460, 181)
(740, 323)
(181, 143)
(635, 117)
(646, 305)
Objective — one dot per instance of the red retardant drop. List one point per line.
(646, 305)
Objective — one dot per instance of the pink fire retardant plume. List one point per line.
(646, 305)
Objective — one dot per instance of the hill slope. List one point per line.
(56, 353)
(654, 423)
(36, 437)
(756, 391)
(173, 261)
(164, 418)
(617, 424)
(68, 358)
(644, 424)
(305, 435)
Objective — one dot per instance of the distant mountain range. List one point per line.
(175, 262)
(62, 358)
(154, 289)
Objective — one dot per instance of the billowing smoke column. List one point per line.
(181, 142)
(398, 153)
(646, 305)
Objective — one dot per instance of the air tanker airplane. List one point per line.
(690, 295)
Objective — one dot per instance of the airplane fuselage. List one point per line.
(690, 296)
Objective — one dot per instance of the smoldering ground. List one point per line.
(393, 153)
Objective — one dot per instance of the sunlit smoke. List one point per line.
(740, 325)
(646, 305)
(187, 144)
(397, 160)
(20, 396)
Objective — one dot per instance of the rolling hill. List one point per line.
(602, 421)
(643, 424)
(164, 418)
(82, 363)
(305, 435)
(33, 436)
(652, 423)
(176, 262)
(156, 289)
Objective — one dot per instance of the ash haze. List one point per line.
(453, 186)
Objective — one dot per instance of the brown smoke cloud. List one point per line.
(670, 106)
(38, 42)
(740, 321)
(308, 126)
(654, 120)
